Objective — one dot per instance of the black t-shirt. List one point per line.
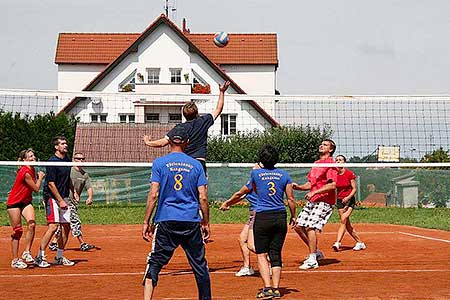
(197, 131)
(60, 175)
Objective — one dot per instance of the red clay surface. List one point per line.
(400, 262)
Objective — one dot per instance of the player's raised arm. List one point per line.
(162, 142)
(219, 107)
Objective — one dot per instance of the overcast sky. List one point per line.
(325, 47)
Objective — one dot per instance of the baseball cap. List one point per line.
(178, 135)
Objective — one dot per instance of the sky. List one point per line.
(350, 47)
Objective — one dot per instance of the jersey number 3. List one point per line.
(272, 190)
(178, 182)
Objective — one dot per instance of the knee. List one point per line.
(275, 258)
(31, 225)
(344, 220)
(17, 232)
(152, 273)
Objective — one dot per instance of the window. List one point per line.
(152, 118)
(175, 75)
(124, 118)
(153, 76)
(128, 84)
(228, 123)
(98, 118)
(174, 118)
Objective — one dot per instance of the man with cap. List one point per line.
(180, 182)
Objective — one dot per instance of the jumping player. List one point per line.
(180, 182)
(321, 198)
(19, 204)
(196, 127)
(270, 228)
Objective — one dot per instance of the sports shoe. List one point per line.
(53, 246)
(41, 262)
(276, 293)
(359, 246)
(319, 255)
(18, 263)
(245, 271)
(309, 264)
(86, 247)
(264, 293)
(26, 256)
(336, 246)
(63, 261)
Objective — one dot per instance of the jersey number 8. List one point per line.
(178, 182)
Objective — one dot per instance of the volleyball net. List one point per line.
(108, 129)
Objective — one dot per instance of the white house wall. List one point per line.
(76, 77)
(164, 49)
(255, 80)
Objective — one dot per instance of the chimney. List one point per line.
(185, 29)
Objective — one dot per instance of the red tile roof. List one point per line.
(119, 142)
(375, 200)
(243, 48)
(103, 48)
(92, 48)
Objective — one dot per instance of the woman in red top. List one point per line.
(19, 204)
(346, 189)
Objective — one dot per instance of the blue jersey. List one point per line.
(270, 186)
(179, 176)
(251, 197)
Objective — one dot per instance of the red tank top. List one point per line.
(21, 192)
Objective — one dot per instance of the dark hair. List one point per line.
(268, 156)
(333, 145)
(190, 111)
(345, 159)
(56, 139)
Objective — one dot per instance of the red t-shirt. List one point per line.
(343, 183)
(21, 192)
(320, 176)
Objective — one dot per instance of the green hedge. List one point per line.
(295, 143)
(18, 132)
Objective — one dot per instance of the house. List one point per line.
(134, 72)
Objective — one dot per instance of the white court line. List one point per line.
(424, 237)
(220, 273)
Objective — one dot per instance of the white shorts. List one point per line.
(55, 214)
(314, 215)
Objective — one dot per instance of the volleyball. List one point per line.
(221, 39)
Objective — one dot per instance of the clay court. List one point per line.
(401, 262)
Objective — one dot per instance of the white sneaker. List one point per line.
(26, 256)
(359, 246)
(245, 271)
(309, 264)
(41, 262)
(319, 255)
(63, 261)
(18, 264)
(336, 246)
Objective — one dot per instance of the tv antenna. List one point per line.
(170, 8)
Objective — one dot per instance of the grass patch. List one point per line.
(437, 218)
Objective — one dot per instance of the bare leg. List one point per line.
(245, 252)
(276, 274)
(14, 220)
(148, 289)
(341, 230)
(251, 240)
(351, 231)
(62, 240)
(312, 240)
(263, 265)
(302, 234)
(29, 215)
(48, 235)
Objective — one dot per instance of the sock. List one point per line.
(59, 253)
(312, 256)
(41, 253)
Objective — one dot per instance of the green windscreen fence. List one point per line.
(384, 186)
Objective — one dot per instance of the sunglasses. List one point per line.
(79, 158)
